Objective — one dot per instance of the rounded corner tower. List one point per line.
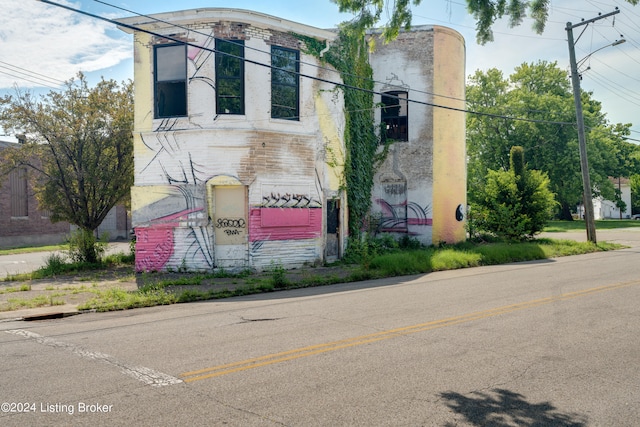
(420, 188)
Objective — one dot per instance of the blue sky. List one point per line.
(42, 45)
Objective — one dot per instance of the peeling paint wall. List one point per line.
(248, 191)
(449, 154)
(421, 183)
(234, 191)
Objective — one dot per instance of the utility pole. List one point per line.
(584, 162)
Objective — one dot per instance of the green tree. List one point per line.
(540, 94)
(79, 144)
(635, 193)
(516, 203)
(485, 12)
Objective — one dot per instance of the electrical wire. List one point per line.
(337, 84)
(191, 30)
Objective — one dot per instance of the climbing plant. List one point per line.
(349, 55)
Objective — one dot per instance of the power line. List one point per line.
(332, 70)
(26, 79)
(21, 70)
(343, 85)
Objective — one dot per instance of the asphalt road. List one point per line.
(551, 343)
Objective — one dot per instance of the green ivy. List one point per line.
(349, 54)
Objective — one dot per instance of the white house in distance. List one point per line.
(239, 141)
(607, 209)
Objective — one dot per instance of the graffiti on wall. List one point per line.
(398, 217)
(230, 226)
(171, 227)
(288, 200)
(286, 212)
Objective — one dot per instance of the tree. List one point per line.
(541, 95)
(485, 12)
(79, 144)
(516, 203)
(635, 193)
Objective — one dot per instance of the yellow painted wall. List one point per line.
(333, 143)
(449, 149)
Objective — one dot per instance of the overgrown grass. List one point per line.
(394, 263)
(472, 255)
(22, 288)
(372, 259)
(606, 224)
(57, 264)
(39, 301)
(119, 299)
(32, 249)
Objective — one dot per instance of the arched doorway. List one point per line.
(227, 206)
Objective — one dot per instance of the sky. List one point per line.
(42, 45)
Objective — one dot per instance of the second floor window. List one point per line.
(285, 83)
(170, 81)
(395, 115)
(229, 76)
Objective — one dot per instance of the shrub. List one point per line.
(516, 204)
(84, 247)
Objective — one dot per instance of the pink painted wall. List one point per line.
(154, 247)
(285, 223)
(154, 244)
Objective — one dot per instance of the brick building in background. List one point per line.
(22, 223)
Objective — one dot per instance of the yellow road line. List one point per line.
(284, 356)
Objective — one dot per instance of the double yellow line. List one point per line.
(312, 350)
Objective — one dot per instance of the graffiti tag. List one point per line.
(231, 223)
(289, 200)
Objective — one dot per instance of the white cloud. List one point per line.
(55, 43)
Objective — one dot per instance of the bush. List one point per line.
(84, 247)
(516, 204)
(55, 264)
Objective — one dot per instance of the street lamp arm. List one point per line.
(615, 43)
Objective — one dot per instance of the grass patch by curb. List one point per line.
(579, 225)
(39, 301)
(190, 288)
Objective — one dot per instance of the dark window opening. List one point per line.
(285, 83)
(333, 216)
(170, 81)
(395, 116)
(229, 77)
(19, 193)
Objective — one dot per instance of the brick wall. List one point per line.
(34, 229)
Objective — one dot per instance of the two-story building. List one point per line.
(239, 141)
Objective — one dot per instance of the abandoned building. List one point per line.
(239, 141)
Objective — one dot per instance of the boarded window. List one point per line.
(229, 76)
(19, 194)
(285, 83)
(170, 81)
(395, 115)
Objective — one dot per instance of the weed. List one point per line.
(39, 301)
(278, 276)
(120, 299)
(22, 288)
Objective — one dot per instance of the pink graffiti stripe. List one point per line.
(175, 218)
(420, 221)
(285, 223)
(154, 244)
(192, 52)
(154, 247)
